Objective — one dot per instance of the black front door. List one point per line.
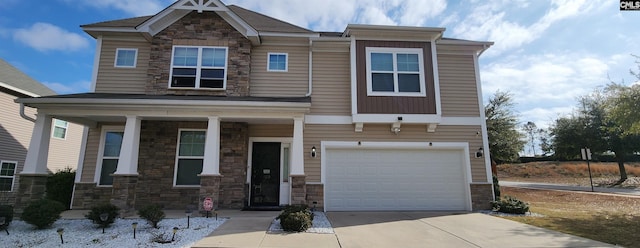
(265, 174)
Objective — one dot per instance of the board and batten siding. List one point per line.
(314, 134)
(113, 79)
(458, 89)
(292, 83)
(331, 83)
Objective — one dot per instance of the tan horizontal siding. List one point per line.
(15, 136)
(270, 130)
(64, 153)
(91, 155)
(314, 134)
(458, 91)
(331, 84)
(293, 83)
(113, 79)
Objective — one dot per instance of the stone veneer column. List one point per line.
(209, 187)
(481, 196)
(123, 193)
(32, 188)
(298, 189)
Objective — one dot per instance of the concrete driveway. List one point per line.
(433, 229)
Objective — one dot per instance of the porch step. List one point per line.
(262, 208)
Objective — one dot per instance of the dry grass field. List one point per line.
(608, 218)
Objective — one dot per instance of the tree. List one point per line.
(623, 106)
(531, 130)
(504, 139)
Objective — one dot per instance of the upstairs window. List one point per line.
(277, 62)
(198, 67)
(395, 72)
(126, 57)
(60, 129)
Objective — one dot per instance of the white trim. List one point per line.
(296, 165)
(286, 62)
(199, 67)
(211, 160)
(15, 172)
(483, 123)
(283, 141)
(396, 73)
(178, 157)
(96, 63)
(354, 77)
(38, 153)
(135, 58)
(295, 35)
(463, 146)
(21, 91)
(100, 157)
(436, 76)
(391, 118)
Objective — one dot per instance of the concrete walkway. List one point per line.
(533, 185)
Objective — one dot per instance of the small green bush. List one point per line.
(152, 213)
(510, 205)
(42, 213)
(295, 218)
(110, 209)
(6, 211)
(60, 186)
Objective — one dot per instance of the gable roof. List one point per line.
(263, 23)
(13, 79)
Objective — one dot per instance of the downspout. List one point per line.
(310, 68)
(23, 115)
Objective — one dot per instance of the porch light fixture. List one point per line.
(60, 232)
(313, 151)
(480, 152)
(134, 225)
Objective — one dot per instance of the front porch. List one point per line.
(152, 165)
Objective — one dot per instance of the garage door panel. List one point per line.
(395, 179)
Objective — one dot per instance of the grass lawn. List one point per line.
(606, 218)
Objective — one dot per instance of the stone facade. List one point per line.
(200, 29)
(481, 196)
(87, 195)
(315, 193)
(234, 149)
(209, 187)
(124, 193)
(31, 188)
(298, 189)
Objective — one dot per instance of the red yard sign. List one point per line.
(207, 204)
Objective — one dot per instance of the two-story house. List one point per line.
(208, 100)
(16, 125)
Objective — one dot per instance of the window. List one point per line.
(277, 62)
(60, 129)
(112, 141)
(395, 72)
(7, 172)
(199, 67)
(126, 57)
(190, 156)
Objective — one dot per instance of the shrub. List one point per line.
(496, 187)
(42, 213)
(6, 211)
(110, 209)
(152, 213)
(60, 186)
(295, 218)
(510, 205)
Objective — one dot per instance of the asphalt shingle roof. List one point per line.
(13, 77)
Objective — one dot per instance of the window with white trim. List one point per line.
(7, 175)
(109, 155)
(198, 67)
(126, 57)
(189, 157)
(60, 129)
(395, 71)
(277, 62)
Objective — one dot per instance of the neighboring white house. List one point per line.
(15, 131)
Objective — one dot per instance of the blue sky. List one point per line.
(547, 52)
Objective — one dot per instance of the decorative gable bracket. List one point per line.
(201, 5)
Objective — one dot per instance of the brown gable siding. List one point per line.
(394, 104)
(331, 84)
(200, 29)
(113, 79)
(458, 89)
(294, 82)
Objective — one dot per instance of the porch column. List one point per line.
(33, 177)
(298, 179)
(211, 162)
(36, 161)
(128, 161)
(125, 178)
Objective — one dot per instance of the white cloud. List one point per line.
(133, 7)
(69, 88)
(45, 37)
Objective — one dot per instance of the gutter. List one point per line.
(310, 68)
(25, 116)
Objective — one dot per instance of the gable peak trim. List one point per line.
(201, 5)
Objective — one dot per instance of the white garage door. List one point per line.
(395, 179)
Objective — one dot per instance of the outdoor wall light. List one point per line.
(313, 151)
(480, 152)
(395, 127)
(60, 232)
(134, 225)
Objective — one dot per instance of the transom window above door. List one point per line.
(199, 67)
(395, 72)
